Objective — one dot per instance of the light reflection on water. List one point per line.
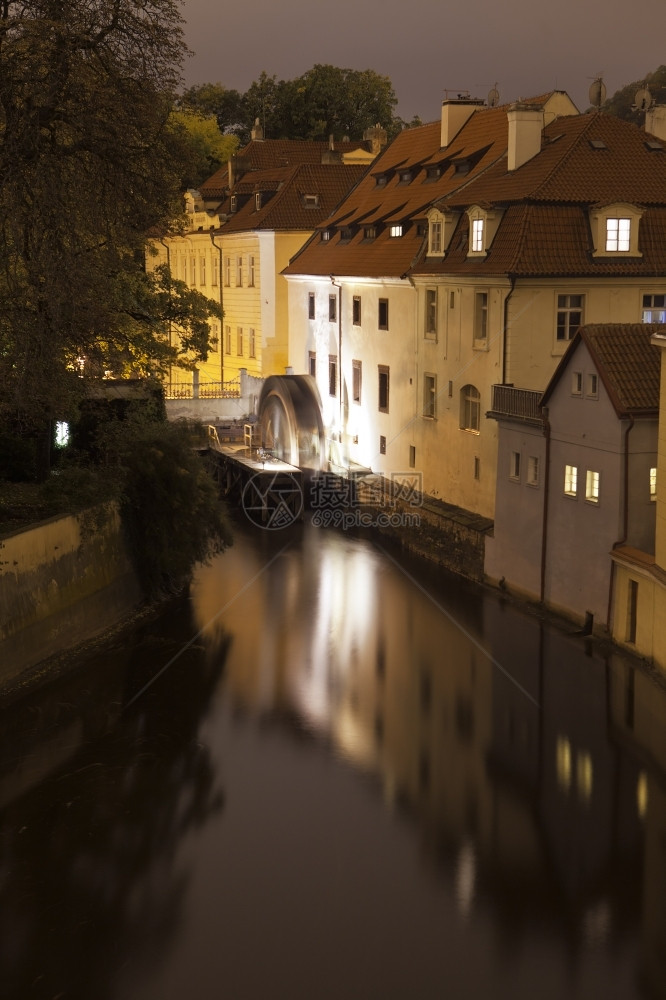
(340, 788)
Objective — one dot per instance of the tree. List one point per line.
(622, 103)
(213, 100)
(90, 166)
(209, 147)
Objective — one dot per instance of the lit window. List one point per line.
(431, 312)
(514, 465)
(250, 271)
(653, 484)
(592, 486)
(470, 408)
(435, 234)
(356, 310)
(481, 316)
(569, 315)
(332, 375)
(654, 308)
(356, 381)
(332, 308)
(383, 395)
(61, 433)
(311, 305)
(429, 395)
(570, 480)
(325, 235)
(533, 470)
(477, 235)
(618, 235)
(383, 314)
(395, 230)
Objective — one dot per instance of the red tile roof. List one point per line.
(628, 364)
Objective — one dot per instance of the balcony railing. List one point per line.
(203, 390)
(519, 404)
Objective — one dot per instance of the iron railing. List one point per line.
(204, 390)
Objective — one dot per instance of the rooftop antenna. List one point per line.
(642, 100)
(597, 92)
(493, 97)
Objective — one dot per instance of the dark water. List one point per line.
(332, 774)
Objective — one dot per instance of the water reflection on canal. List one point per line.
(352, 778)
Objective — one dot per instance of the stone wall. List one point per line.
(61, 582)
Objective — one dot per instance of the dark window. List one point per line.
(332, 375)
(382, 444)
(569, 315)
(312, 363)
(311, 305)
(356, 310)
(383, 314)
(332, 308)
(383, 389)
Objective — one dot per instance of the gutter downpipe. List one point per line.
(625, 523)
(220, 283)
(544, 523)
(505, 327)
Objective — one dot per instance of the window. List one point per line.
(477, 467)
(470, 408)
(239, 341)
(250, 271)
(592, 389)
(533, 470)
(253, 343)
(477, 235)
(382, 444)
(233, 203)
(239, 272)
(576, 383)
(332, 308)
(227, 271)
(311, 305)
(569, 315)
(412, 456)
(383, 314)
(356, 310)
(193, 270)
(312, 363)
(618, 235)
(481, 316)
(380, 180)
(215, 337)
(325, 235)
(383, 400)
(202, 270)
(653, 484)
(429, 395)
(369, 232)
(570, 480)
(257, 201)
(435, 237)
(654, 308)
(227, 340)
(592, 486)
(216, 270)
(311, 200)
(396, 230)
(514, 465)
(346, 233)
(432, 173)
(431, 312)
(356, 381)
(405, 176)
(332, 375)
(183, 267)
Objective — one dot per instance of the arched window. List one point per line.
(470, 408)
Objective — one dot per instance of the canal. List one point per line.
(332, 773)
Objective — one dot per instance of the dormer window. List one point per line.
(615, 230)
(483, 225)
(435, 237)
(396, 230)
(380, 180)
(345, 233)
(233, 203)
(440, 230)
(405, 176)
(311, 200)
(369, 232)
(461, 167)
(432, 173)
(478, 226)
(257, 201)
(325, 235)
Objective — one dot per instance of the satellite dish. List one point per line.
(597, 93)
(493, 97)
(643, 99)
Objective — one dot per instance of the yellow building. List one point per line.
(639, 607)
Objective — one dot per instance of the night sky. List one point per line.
(430, 47)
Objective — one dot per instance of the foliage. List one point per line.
(621, 104)
(325, 100)
(90, 164)
(170, 507)
(209, 147)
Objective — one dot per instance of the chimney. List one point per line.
(257, 132)
(454, 115)
(655, 121)
(525, 128)
(376, 138)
